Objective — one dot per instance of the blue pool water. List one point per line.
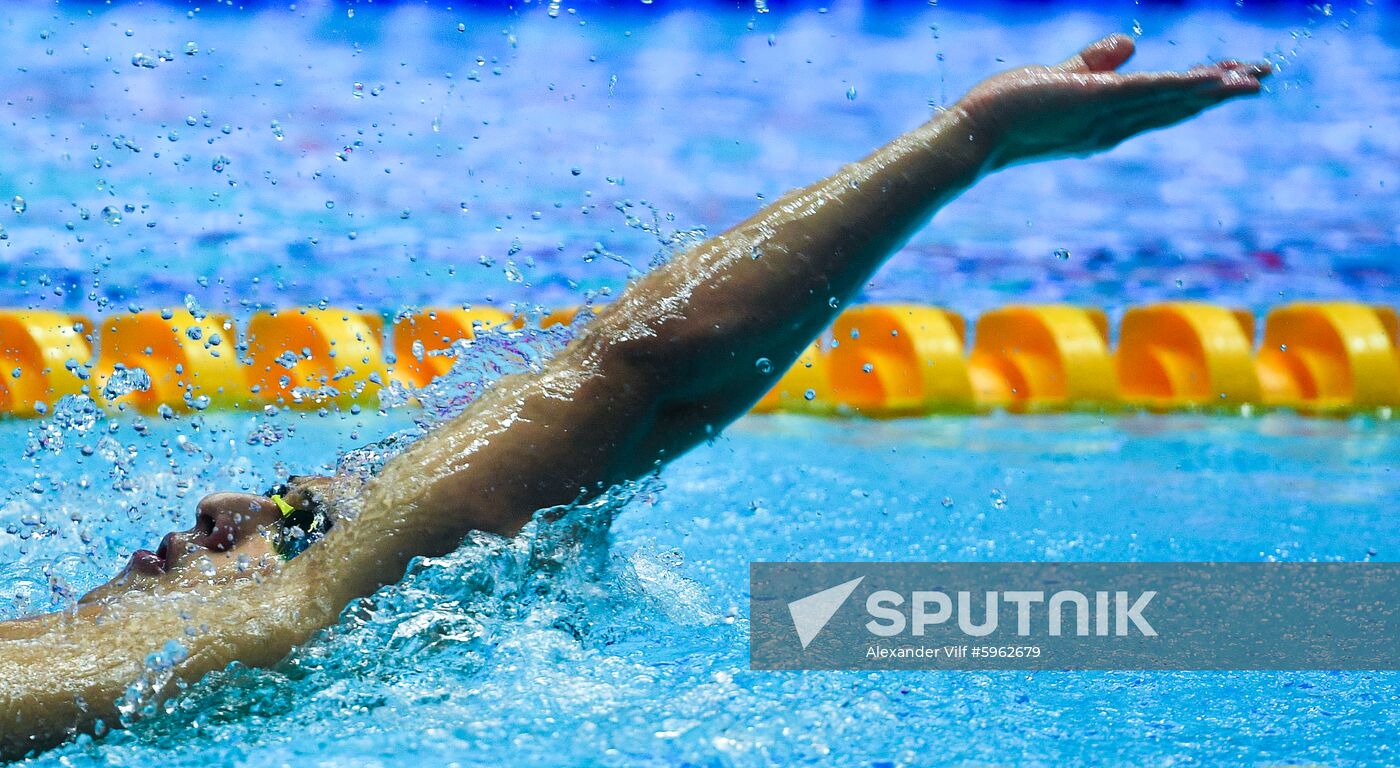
(494, 656)
(541, 160)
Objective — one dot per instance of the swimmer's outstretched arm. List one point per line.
(666, 366)
(673, 360)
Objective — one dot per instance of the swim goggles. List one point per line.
(300, 527)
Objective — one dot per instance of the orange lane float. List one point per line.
(900, 360)
(1187, 355)
(418, 336)
(1031, 358)
(191, 361)
(42, 355)
(1330, 357)
(312, 358)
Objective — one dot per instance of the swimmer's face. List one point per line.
(232, 537)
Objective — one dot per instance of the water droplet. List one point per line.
(947, 502)
(125, 381)
(461, 27)
(764, 365)
(868, 368)
(277, 131)
(191, 49)
(810, 394)
(851, 93)
(1062, 254)
(358, 90)
(112, 215)
(833, 302)
(19, 205)
(144, 61)
(220, 163)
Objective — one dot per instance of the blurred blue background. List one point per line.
(403, 155)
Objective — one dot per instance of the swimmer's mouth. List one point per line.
(152, 563)
(147, 562)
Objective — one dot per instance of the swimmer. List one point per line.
(666, 366)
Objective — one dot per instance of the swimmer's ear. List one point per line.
(1105, 55)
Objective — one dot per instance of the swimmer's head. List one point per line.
(235, 535)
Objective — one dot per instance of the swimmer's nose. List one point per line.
(222, 520)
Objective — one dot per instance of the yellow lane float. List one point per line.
(563, 316)
(1187, 355)
(316, 357)
(418, 336)
(878, 360)
(1330, 356)
(1031, 358)
(192, 362)
(804, 388)
(41, 356)
(900, 360)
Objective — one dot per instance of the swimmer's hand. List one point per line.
(1083, 105)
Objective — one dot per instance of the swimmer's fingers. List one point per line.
(1105, 55)
(1234, 79)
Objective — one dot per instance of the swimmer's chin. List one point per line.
(145, 574)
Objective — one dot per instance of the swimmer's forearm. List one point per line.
(767, 287)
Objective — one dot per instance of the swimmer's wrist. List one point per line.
(960, 137)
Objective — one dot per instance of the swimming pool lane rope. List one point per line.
(877, 360)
